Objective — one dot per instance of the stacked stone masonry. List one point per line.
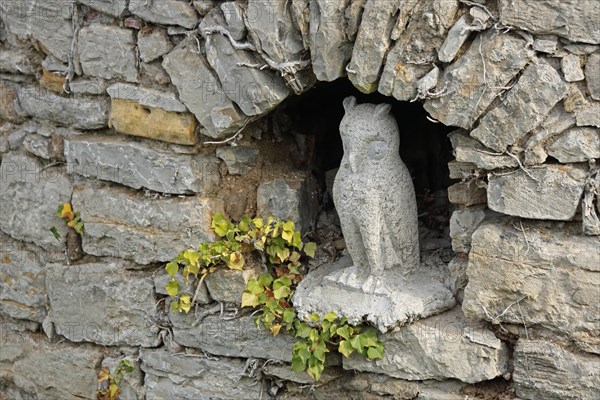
(116, 106)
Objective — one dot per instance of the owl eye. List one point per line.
(377, 150)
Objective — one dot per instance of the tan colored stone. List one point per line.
(9, 103)
(52, 81)
(132, 118)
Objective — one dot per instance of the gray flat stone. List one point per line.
(154, 44)
(19, 61)
(116, 8)
(201, 92)
(33, 365)
(548, 46)
(592, 75)
(545, 370)
(330, 48)
(523, 109)
(140, 165)
(589, 115)
(88, 86)
(43, 147)
(234, 16)
(49, 22)
(513, 280)
(469, 92)
(468, 150)
(239, 160)
(126, 299)
(23, 290)
(554, 194)
(457, 36)
(108, 52)
(573, 19)
(29, 199)
(557, 121)
(468, 193)
(171, 12)
(440, 347)
(238, 337)
(170, 376)
(255, 91)
(576, 145)
(147, 97)
(123, 223)
(82, 112)
(378, 21)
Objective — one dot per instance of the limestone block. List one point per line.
(372, 44)
(177, 376)
(234, 17)
(123, 223)
(272, 28)
(10, 110)
(254, 90)
(287, 199)
(43, 147)
(48, 22)
(116, 8)
(551, 192)
(544, 370)
(592, 75)
(457, 36)
(239, 337)
(108, 52)
(589, 115)
(546, 45)
(523, 108)
(23, 291)
(463, 223)
(576, 145)
(81, 112)
(444, 346)
(172, 12)
(50, 370)
(154, 44)
(132, 118)
(29, 198)
(458, 275)
(571, 67)
(19, 61)
(469, 150)
(167, 101)
(94, 86)
(330, 47)
(468, 193)
(419, 33)
(201, 91)
(573, 19)
(226, 285)
(546, 276)
(117, 308)
(239, 160)
(470, 93)
(141, 165)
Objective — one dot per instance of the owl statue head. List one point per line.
(369, 133)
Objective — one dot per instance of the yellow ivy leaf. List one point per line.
(113, 391)
(310, 248)
(185, 303)
(249, 300)
(275, 329)
(236, 261)
(172, 288)
(72, 223)
(67, 212)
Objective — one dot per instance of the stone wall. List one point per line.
(127, 109)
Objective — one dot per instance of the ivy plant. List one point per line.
(108, 383)
(317, 336)
(276, 241)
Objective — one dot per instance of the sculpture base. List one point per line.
(392, 301)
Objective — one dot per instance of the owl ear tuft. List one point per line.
(349, 103)
(383, 109)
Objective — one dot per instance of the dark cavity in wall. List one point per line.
(313, 118)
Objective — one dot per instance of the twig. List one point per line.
(232, 138)
(521, 165)
(209, 30)
(197, 291)
(474, 4)
(71, 53)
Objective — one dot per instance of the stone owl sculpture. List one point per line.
(375, 198)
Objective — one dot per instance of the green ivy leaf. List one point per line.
(265, 279)
(172, 288)
(220, 225)
(282, 292)
(310, 248)
(172, 268)
(255, 287)
(55, 232)
(356, 342)
(345, 348)
(369, 338)
(284, 281)
(298, 365)
(289, 315)
(374, 353)
(314, 318)
(330, 316)
(315, 369)
(302, 329)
